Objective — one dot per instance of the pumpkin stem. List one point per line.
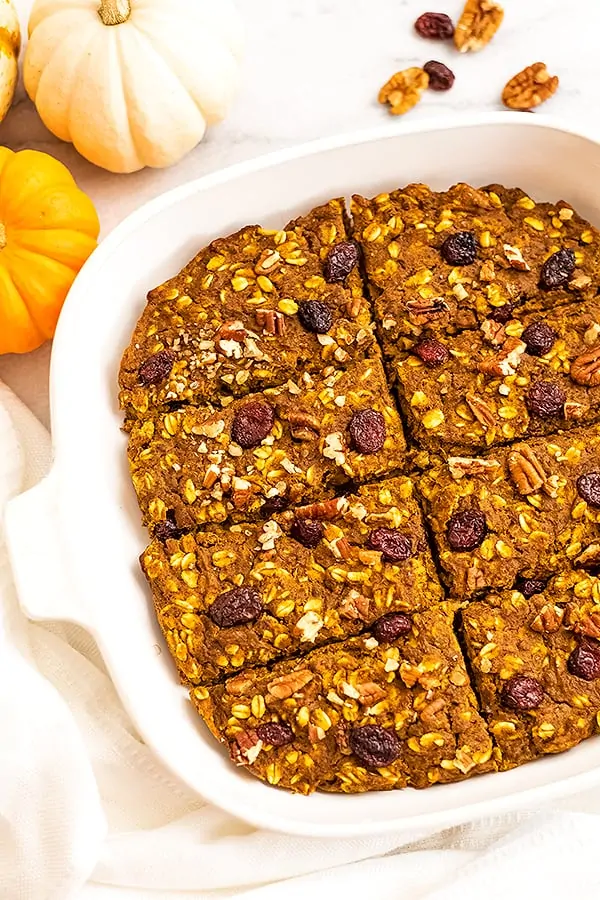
(2, 236)
(114, 12)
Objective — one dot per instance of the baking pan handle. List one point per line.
(36, 555)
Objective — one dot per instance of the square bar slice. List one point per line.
(356, 716)
(443, 262)
(319, 573)
(524, 511)
(532, 375)
(236, 318)
(291, 444)
(536, 665)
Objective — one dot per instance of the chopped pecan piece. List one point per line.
(574, 410)
(585, 369)
(460, 466)
(482, 412)
(230, 331)
(549, 619)
(590, 558)
(355, 606)
(515, 258)
(246, 747)
(423, 311)
(369, 693)
(324, 509)
(493, 332)
(272, 321)
(507, 361)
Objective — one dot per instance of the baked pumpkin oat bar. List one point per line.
(529, 376)
(388, 710)
(243, 595)
(290, 444)
(519, 512)
(250, 311)
(444, 262)
(536, 665)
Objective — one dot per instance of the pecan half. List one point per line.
(286, 685)
(526, 470)
(507, 361)
(549, 619)
(479, 22)
(404, 89)
(482, 412)
(460, 466)
(585, 369)
(324, 509)
(304, 426)
(530, 87)
(474, 579)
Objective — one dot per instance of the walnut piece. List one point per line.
(530, 87)
(479, 22)
(404, 89)
(585, 369)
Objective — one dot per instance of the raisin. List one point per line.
(521, 692)
(503, 314)
(236, 607)
(557, 269)
(394, 546)
(441, 78)
(539, 338)
(530, 586)
(375, 746)
(307, 532)
(436, 26)
(273, 505)
(167, 528)
(584, 661)
(340, 261)
(588, 487)
(459, 249)
(367, 431)
(466, 529)
(545, 399)
(391, 626)
(276, 734)
(156, 368)
(432, 352)
(315, 316)
(252, 423)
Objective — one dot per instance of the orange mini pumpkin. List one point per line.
(48, 228)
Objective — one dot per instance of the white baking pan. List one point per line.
(75, 539)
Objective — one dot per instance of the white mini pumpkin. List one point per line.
(10, 44)
(132, 83)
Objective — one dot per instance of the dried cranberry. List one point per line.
(315, 316)
(557, 269)
(252, 423)
(167, 528)
(459, 249)
(584, 661)
(391, 626)
(307, 532)
(466, 529)
(522, 692)
(441, 78)
(503, 314)
(340, 261)
(273, 505)
(539, 338)
(588, 487)
(394, 545)
(545, 399)
(436, 26)
(375, 746)
(156, 368)
(236, 607)
(530, 586)
(367, 431)
(276, 734)
(432, 352)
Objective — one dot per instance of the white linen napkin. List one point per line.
(87, 812)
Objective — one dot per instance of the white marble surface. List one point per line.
(313, 68)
